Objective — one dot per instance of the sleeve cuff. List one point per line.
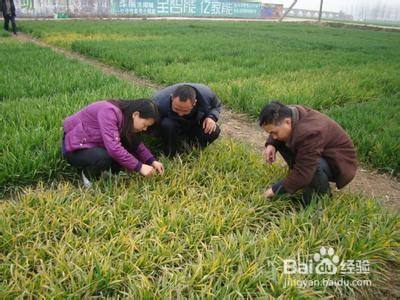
(138, 167)
(267, 143)
(278, 188)
(212, 117)
(150, 160)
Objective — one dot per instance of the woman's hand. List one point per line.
(146, 170)
(158, 166)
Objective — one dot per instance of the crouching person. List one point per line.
(189, 111)
(316, 149)
(104, 136)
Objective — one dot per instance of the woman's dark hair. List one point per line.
(185, 92)
(273, 113)
(145, 107)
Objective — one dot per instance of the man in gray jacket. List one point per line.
(188, 110)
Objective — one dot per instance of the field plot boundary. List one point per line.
(240, 127)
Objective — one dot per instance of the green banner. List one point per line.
(197, 8)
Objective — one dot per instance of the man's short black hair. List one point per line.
(185, 92)
(273, 113)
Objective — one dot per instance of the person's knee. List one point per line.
(319, 186)
(286, 154)
(204, 139)
(94, 157)
(168, 125)
(215, 134)
(102, 159)
(320, 181)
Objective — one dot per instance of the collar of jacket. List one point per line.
(295, 119)
(295, 115)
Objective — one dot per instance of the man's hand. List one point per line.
(270, 154)
(209, 125)
(146, 170)
(158, 166)
(269, 193)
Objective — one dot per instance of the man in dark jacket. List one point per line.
(190, 110)
(316, 149)
(8, 9)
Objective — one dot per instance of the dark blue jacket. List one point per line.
(208, 104)
(4, 8)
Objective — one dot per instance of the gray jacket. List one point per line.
(208, 104)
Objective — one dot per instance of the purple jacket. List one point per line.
(99, 125)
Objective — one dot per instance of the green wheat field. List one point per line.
(203, 230)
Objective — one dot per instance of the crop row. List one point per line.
(201, 230)
(247, 64)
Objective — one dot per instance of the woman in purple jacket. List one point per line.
(103, 136)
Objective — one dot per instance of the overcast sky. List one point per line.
(383, 9)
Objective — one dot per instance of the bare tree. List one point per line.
(288, 10)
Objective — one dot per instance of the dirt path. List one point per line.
(239, 126)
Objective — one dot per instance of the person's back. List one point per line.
(315, 132)
(86, 121)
